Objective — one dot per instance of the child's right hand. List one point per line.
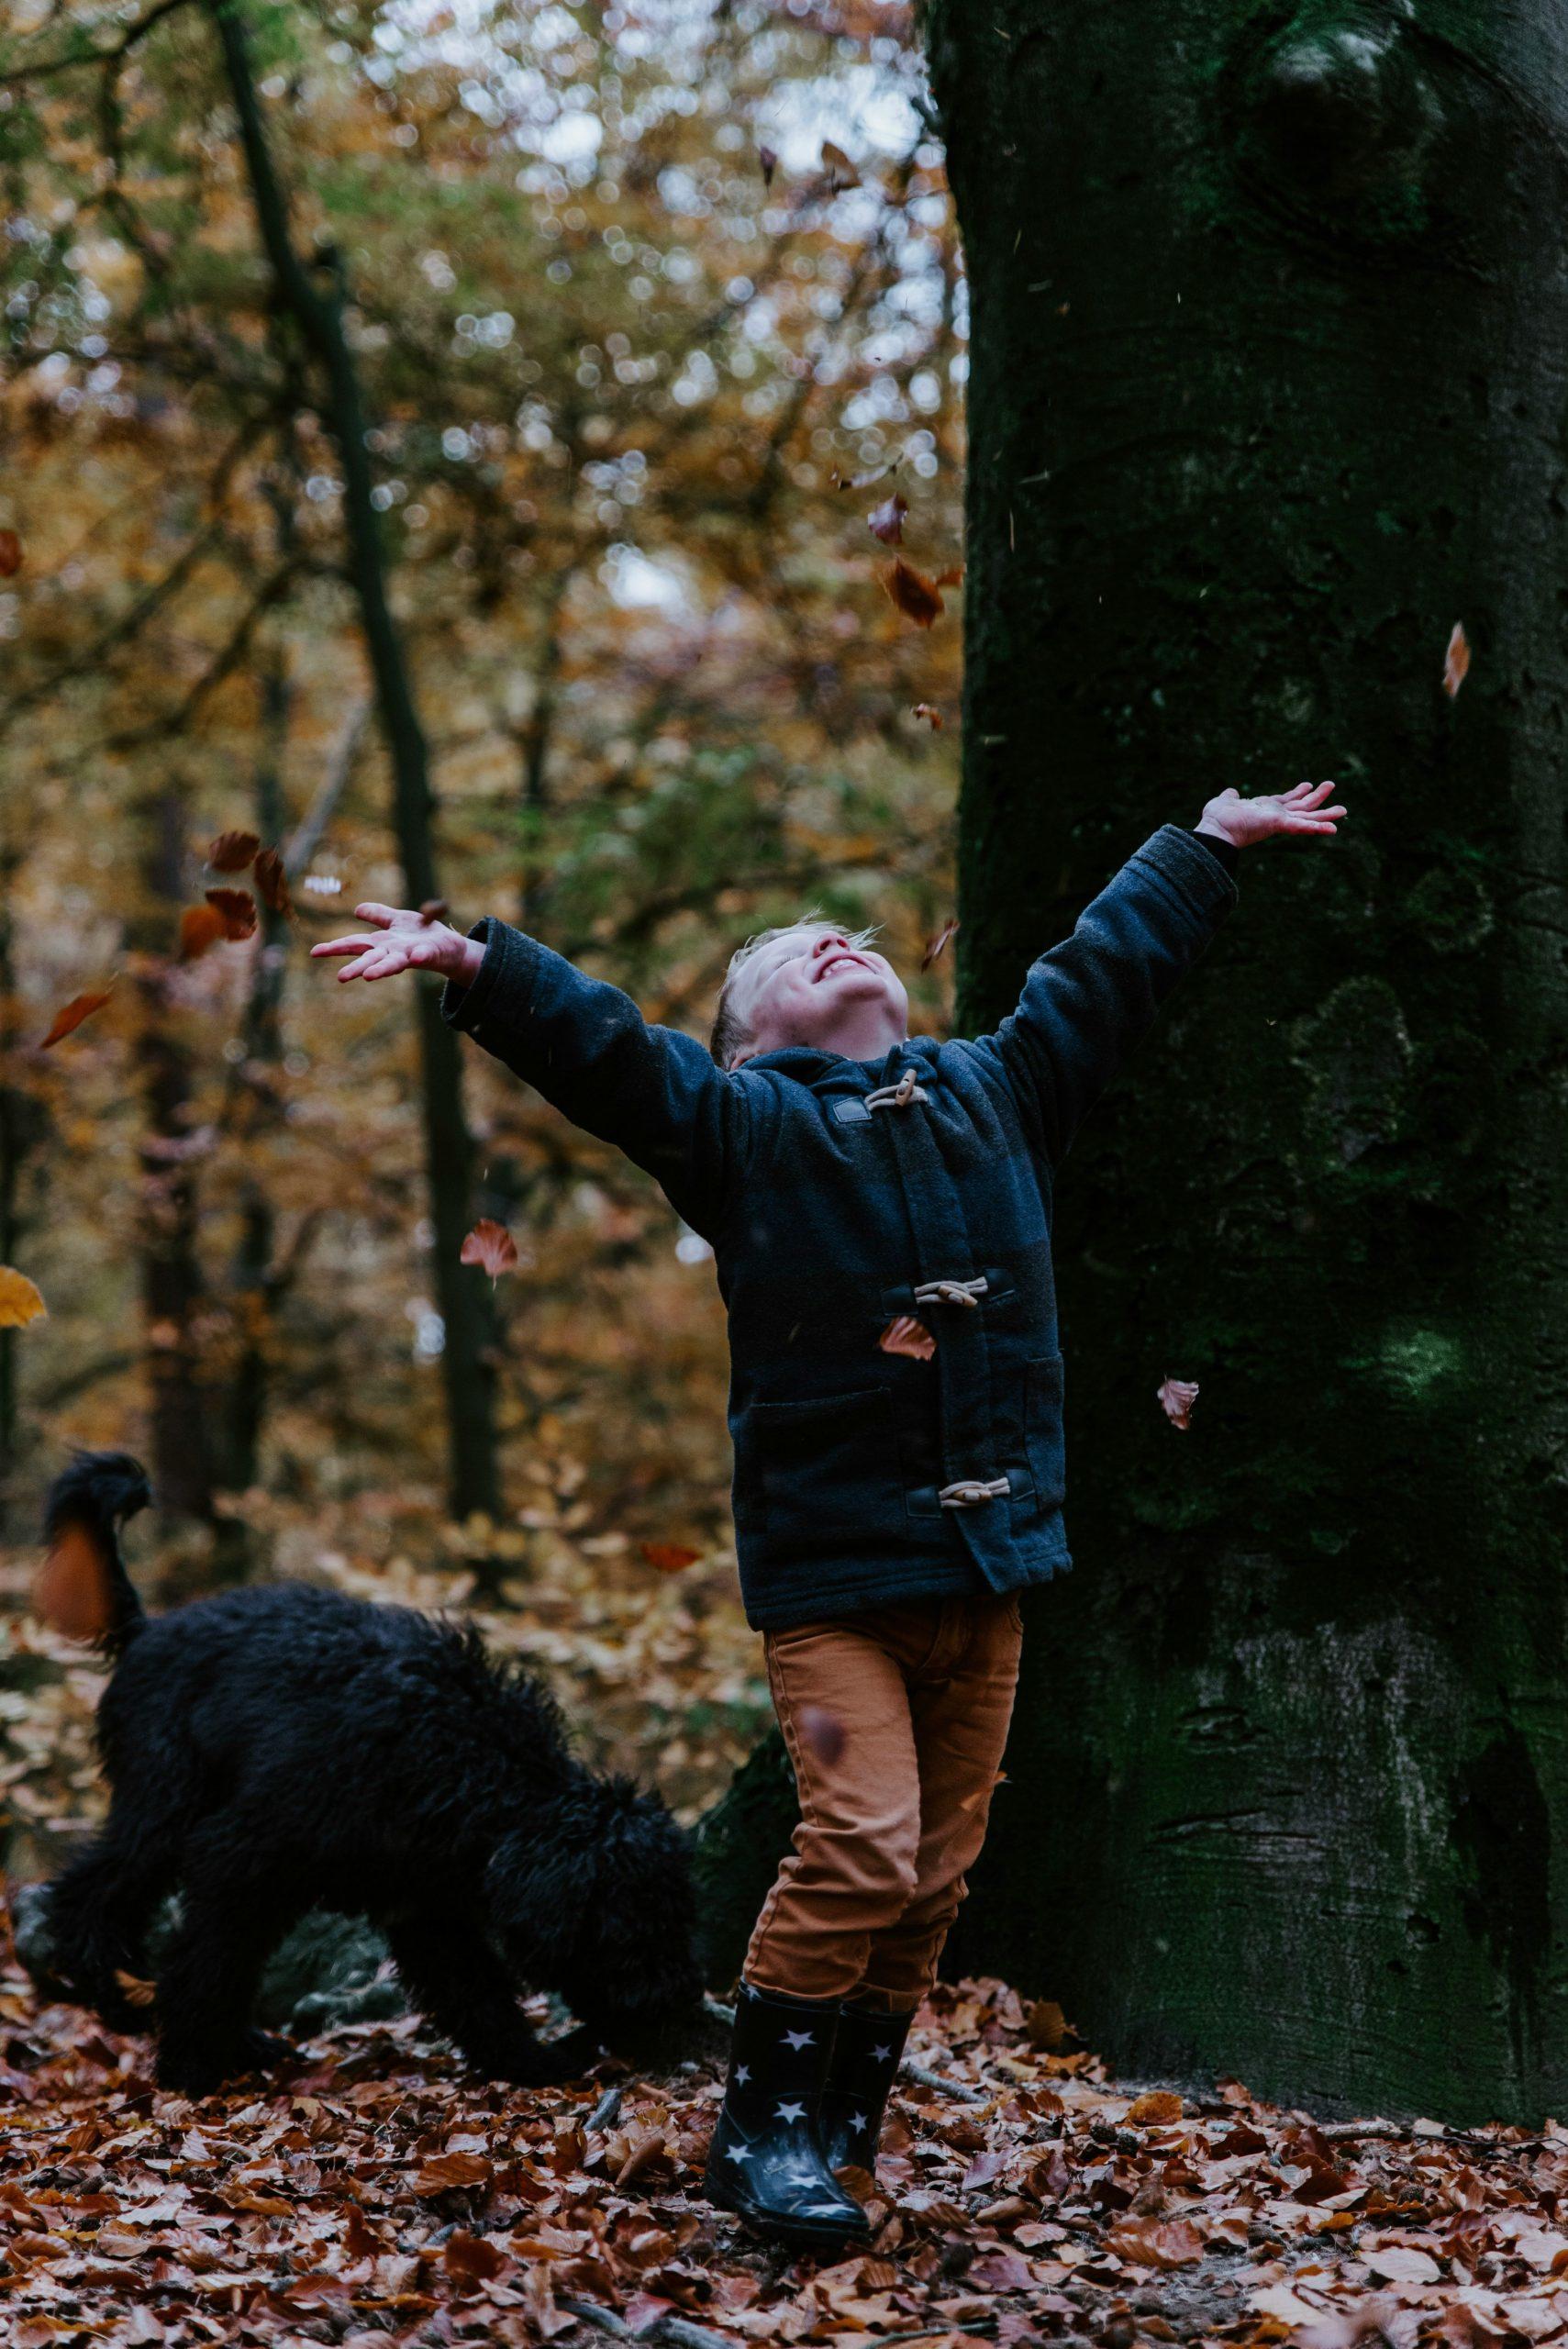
(404, 942)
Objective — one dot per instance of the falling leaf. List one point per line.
(449, 2171)
(434, 910)
(491, 1246)
(842, 173)
(769, 162)
(668, 1557)
(917, 598)
(136, 1991)
(1046, 2026)
(19, 1301)
(232, 851)
(821, 1732)
(69, 1016)
(200, 927)
(940, 944)
(273, 881)
(10, 554)
(235, 909)
(982, 1794)
(1177, 1396)
(951, 578)
(905, 1335)
(886, 521)
(930, 713)
(73, 1591)
(1456, 662)
(1157, 2110)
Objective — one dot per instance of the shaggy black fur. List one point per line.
(285, 1747)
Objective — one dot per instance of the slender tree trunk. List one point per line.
(313, 297)
(1270, 349)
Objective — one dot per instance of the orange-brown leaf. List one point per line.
(447, 2172)
(951, 578)
(1156, 2242)
(10, 554)
(1456, 661)
(905, 1335)
(232, 851)
(1047, 2027)
(19, 1299)
(1177, 1396)
(1157, 2110)
(235, 909)
(135, 1990)
(886, 521)
(273, 881)
(930, 713)
(473, 2259)
(200, 927)
(69, 1016)
(842, 173)
(491, 1246)
(71, 1590)
(919, 598)
(434, 910)
(939, 944)
(668, 1557)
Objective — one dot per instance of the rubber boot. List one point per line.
(868, 2048)
(765, 2162)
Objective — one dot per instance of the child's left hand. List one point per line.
(1243, 821)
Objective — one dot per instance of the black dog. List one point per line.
(277, 1749)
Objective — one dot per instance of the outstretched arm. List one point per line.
(1087, 1002)
(586, 1046)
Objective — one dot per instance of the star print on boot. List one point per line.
(868, 2048)
(765, 2161)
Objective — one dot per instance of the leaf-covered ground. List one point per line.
(378, 2193)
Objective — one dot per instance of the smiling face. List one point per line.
(813, 986)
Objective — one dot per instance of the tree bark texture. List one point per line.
(1270, 388)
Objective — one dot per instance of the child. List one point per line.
(888, 1508)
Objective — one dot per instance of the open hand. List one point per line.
(1243, 821)
(405, 940)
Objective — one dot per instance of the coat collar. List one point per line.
(809, 1066)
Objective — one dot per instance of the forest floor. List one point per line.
(377, 2194)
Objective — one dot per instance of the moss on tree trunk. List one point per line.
(1269, 365)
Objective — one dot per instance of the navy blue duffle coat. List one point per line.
(838, 1194)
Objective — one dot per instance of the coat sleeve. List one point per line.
(652, 1092)
(1086, 1003)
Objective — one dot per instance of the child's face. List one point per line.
(812, 987)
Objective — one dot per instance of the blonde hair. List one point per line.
(729, 1031)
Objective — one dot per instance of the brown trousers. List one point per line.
(894, 1721)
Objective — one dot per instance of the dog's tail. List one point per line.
(82, 1589)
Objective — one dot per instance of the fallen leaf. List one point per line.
(1155, 2242)
(273, 881)
(917, 598)
(822, 1732)
(235, 909)
(200, 927)
(19, 1301)
(940, 944)
(1176, 1398)
(905, 1335)
(71, 1590)
(768, 162)
(10, 554)
(668, 1557)
(1456, 661)
(232, 851)
(69, 1016)
(1400, 2263)
(473, 2259)
(491, 1246)
(1155, 2110)
(449, 2171)
(886, 521)
(842, 173)
(136, 1991)
(929, 711)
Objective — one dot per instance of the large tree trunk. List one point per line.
(1270, 347)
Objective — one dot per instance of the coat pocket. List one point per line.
(1043, 1430)
(826, 1472)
